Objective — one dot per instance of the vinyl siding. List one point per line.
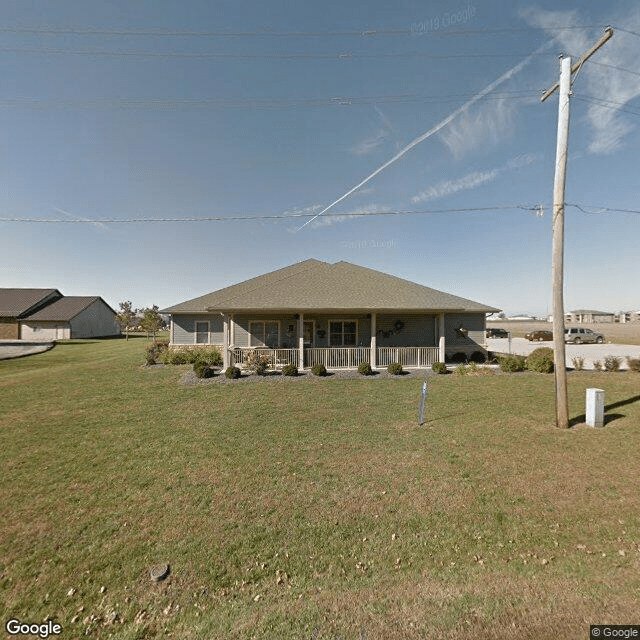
(475, 339)
(418, 331)
(184, 328)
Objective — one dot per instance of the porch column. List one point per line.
(441, 349)
(225, 341)
(171, 331)
(301, 341)
(374, 346)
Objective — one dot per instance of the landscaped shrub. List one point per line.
(459, 356)
(176, 356)
(162, 345)
(597, 365)
(365, 369)
(232, 373)
(395, 369)
(541, 360)
(258, 361)
(439, 367)
(151, 353)
(290, 370)
(511, 364)
(578, 363)
(202, 369)
(478, 357)
(460, 370)
(634, 364)
(612, 363)
(208, 355)
(319, 370)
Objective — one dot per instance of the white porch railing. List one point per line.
(337, 357)
(407, 356)
(278, 358)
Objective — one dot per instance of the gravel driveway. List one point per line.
(590, 352)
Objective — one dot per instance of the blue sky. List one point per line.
(139, 109)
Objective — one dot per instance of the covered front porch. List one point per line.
(341, 357)
(335, 340)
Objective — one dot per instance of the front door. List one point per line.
(307, 333)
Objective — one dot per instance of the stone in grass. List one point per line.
(159, 572)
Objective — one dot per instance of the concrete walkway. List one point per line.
(19, 348)
(590, 352)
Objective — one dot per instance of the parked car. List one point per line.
(578, 336)
(542, 335)
(497, 333)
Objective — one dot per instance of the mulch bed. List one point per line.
(189, 378)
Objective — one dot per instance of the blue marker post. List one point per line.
(423, 398)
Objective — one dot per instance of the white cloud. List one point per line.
(348, 216)
(609, 126)
(370, 144)
(488, 123)
(471, 180)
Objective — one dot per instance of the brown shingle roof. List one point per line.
(15, 303)
(313, 285)
(64, 309)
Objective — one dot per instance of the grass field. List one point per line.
(626, 333)
(316, 510)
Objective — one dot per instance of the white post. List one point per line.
(301, 341)
(441, 345)
(374, 344)
(225, 341)
(595, 407)
(171, 331)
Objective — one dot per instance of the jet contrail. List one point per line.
(488, 89)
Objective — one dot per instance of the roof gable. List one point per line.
(65, 308)
(16, 303)
(313, 285)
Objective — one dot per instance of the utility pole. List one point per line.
(557, 258)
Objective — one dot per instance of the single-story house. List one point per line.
(17, 304)
(584, 316)
(71, 317)
(339, 315)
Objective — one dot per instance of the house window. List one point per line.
(265, 333)
(202, 332)
(343, 333)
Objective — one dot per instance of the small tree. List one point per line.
(126, 317)
(151, 321)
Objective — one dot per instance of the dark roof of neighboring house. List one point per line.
(592, 312)
(313, 285)
(65, 308)
(15, 303)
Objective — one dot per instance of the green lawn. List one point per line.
(312, 510)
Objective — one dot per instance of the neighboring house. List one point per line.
(339, 315)
(584, 316)
(71, 317)
(17, 304)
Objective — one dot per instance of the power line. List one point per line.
(587, 209)
(607, 104)
(266, 103)
(610, 66)
(222, 33)
(206, 55)
(293, 216)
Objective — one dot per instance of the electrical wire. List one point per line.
(208, 55)
(258, 103)
(365, 33)
(286, 216)
(537, 208)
